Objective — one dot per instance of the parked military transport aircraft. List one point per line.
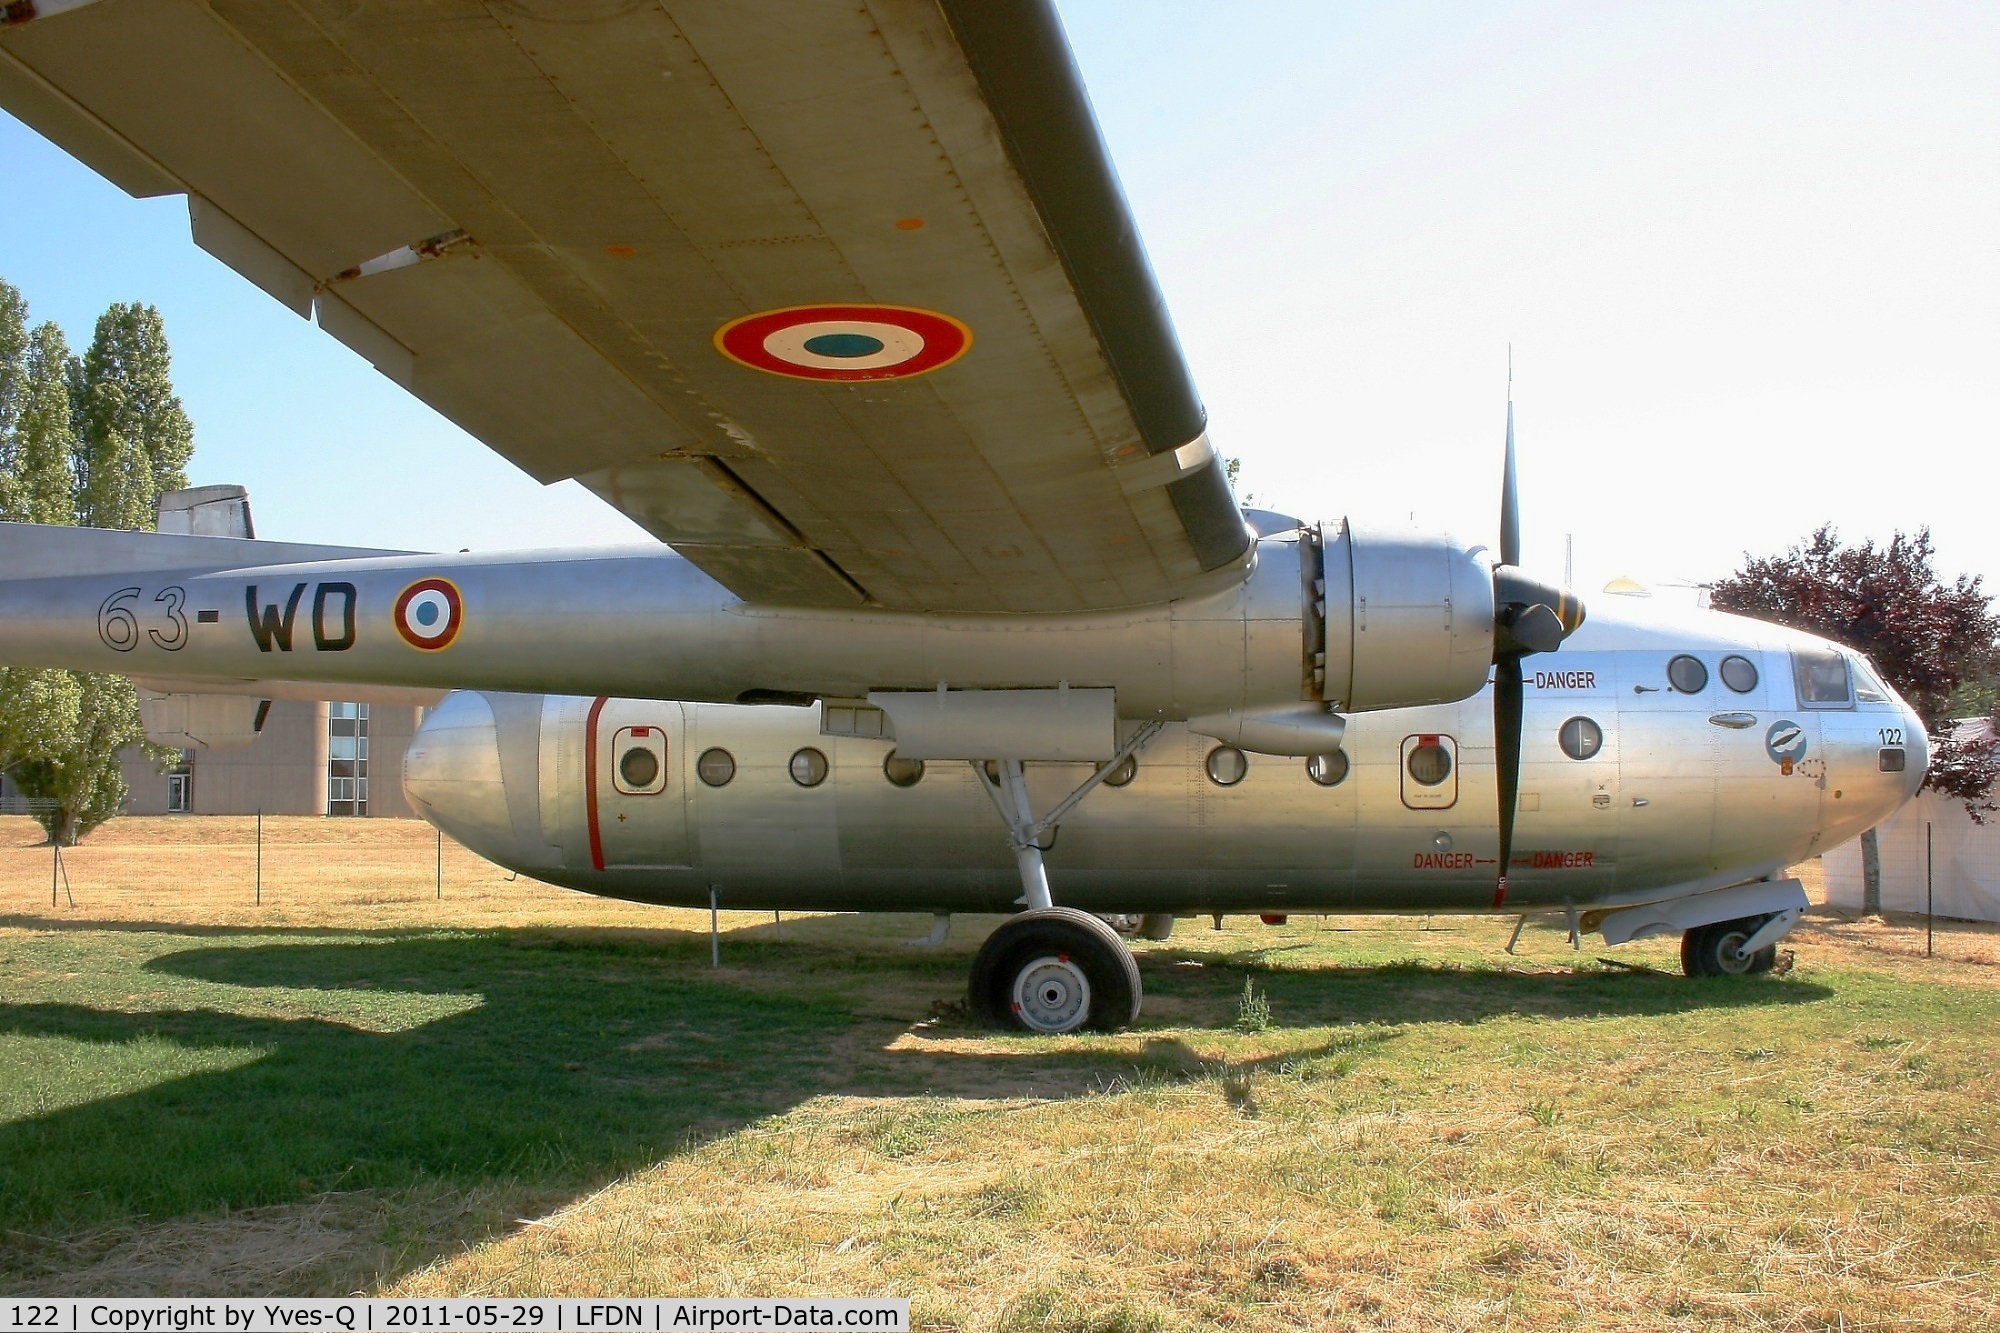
(843, 304)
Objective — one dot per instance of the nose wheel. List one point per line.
(1055, 969)
(1717, 950)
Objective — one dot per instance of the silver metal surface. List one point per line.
(1721, 809)
(644, 623)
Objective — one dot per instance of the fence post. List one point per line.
(1927, 888)
(260, 856)
(440, 889)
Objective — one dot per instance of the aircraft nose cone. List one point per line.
(1918, 747)
(452, 775)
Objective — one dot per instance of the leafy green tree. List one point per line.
(13, 368)
(133, 440)
(61, 731)
(1935, 642)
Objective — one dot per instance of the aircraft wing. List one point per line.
(842, 300)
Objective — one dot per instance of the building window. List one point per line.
(347, 759)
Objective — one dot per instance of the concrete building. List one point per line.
(308, 759)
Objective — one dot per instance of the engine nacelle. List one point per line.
(1400, 618)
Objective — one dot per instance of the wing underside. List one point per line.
(840, 299)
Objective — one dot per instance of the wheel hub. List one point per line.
(1051, 994)
(1729, 953)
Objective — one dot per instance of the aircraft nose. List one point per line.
(1918, 747)
(452, 774)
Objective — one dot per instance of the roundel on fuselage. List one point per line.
(428, 614)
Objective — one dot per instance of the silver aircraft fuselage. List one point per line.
(1771, 747)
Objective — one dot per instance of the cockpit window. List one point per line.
(1821, 674)
(1868, 687)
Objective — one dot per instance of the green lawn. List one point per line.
(1423, 1130)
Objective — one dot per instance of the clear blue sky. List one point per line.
(1748, 256)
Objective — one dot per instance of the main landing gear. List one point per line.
(1055, 969)
(1052, 969)
(1731, 948)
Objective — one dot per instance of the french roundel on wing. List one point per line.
(845, 343)
(428, 614)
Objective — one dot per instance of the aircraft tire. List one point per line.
(1055, 969)
(1713, 950)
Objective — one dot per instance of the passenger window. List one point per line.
(1739, 674)
(1580, 738)
(1821, 674)
(808, 767)
(1430, 772)
(716, 767)
(1227, 766)
(640, 768)
(1328, 770)
(1687, 674)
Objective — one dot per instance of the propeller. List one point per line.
(1529, 616)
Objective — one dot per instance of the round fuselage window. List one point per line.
(638, 767)
(715, 767)
(1328, 770)
(1739, 674)
(808, 767)
(1687, 674)
(1580, 738)
(1227, 765)
(1430, 765)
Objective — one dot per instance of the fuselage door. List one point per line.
(639, 807)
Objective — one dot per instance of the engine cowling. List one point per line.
(1400, 618)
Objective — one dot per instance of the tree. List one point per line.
(1934, 642)
(61, 731)
(13, 367)
(133, 440)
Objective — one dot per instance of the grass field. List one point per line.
(359, 1084)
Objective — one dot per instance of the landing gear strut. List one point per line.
(1719, 949)
(1052, 969)
(1055, 969)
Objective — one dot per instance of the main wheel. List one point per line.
(1716, 950)
(1055, 969)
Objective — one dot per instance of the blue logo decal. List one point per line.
(1785, 742)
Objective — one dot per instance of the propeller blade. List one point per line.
(1507, 687)
(1510, 501)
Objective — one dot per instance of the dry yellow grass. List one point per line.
(1456, 1140)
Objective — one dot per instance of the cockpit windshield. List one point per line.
(1868, 686)
(1821, 674)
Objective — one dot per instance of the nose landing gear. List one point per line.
(1718, 949)
(1055, 969)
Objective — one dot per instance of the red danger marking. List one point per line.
(1563, 860)
(1427, 740)
(1565, 680)
(1441, 861)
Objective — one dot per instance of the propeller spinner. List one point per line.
(1529, 616)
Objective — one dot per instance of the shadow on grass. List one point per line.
(558, 1060)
